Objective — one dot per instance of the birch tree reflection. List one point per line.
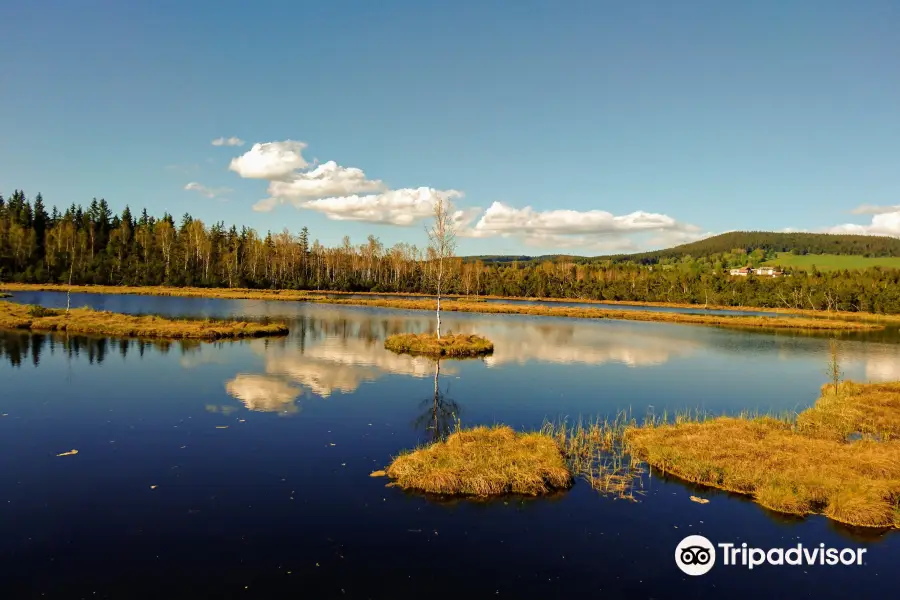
(439, 412)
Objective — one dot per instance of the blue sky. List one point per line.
(668, 120)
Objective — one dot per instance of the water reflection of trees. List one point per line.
(19, 348)
(438, 412)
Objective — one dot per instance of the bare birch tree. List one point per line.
(442, 241)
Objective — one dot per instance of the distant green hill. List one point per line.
(801, 244)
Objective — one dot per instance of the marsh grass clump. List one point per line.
(851, 409)
(813, 465)
(484, 461)
(5, 295)
(459, 345)
(595, 453)
(94, 322)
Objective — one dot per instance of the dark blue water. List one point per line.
(261, 451)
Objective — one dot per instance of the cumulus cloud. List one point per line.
(326, 180)
(340, 193)
(347, 194)
(232, 141)
(594, 229)
(207, 191)
(884, 223)
(502, 218)
(401, 207)
(275, 161)
(872, 209)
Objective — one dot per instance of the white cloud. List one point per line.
(593, 229)
(340, 193)
(883, 223)
(326, 180)
(232, 141)
(871, 209)
(401, 207)
(207, 191)
(504, 219)
(275, 161)
(346, 194)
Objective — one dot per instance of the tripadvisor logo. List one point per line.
(696, 555)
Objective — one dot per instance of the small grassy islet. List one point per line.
(484, 461)
(459, 345)
(87, 321)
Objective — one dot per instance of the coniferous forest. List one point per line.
(93, 245)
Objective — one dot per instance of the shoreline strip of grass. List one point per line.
(615, 314)
(87, 321)
(817, 320)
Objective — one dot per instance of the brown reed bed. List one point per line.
(86, 321)
(428, 344)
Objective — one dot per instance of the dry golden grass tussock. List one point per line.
(459, 345)
(484, 461)
(92, 322)
(869, 410)
(803, 468)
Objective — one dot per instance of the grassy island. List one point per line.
(839, 458)
(460, 345)
(484, 461)
(5, 295)
(94, 322)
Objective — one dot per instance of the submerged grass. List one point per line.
(595, 453)
(816, 320)
(93, 322)
(484, 461)
(840, 458)
(459, 345)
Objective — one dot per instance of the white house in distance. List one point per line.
(761, 271)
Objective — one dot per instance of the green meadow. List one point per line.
(833, 262)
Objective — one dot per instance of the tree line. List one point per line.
(96, 246)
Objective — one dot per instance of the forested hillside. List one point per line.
(742, 242)
(95, 246)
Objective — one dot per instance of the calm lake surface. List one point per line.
(260, 453)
